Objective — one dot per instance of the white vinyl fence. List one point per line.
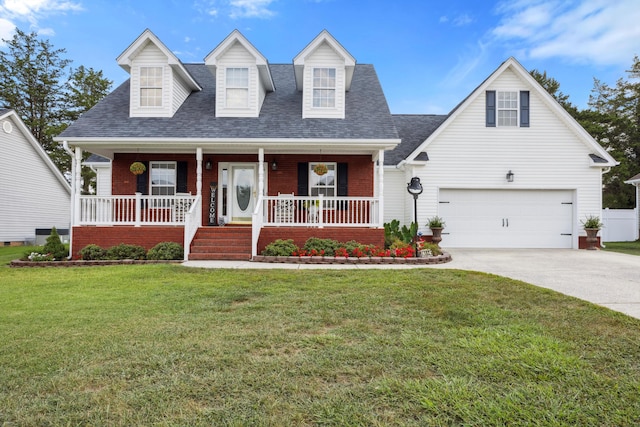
(620, 225)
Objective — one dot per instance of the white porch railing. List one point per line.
(319, 211)
(135, 210)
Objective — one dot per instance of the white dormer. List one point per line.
(159, 82)
(242, 77)
(323, 71)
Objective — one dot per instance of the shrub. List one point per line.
(324, 246)
(125, 251)
(166, 251)
(32, 250)
(55, 247)
(36, 256)
(280, 247)
(393, 232)
(93, 252)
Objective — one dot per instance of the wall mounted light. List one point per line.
(274, 165)
(208, 165)
(509, 176)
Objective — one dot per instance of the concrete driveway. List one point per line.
(606, 278)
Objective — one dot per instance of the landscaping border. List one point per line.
(439, 259)
(85, 263)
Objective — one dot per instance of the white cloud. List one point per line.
(6, 29)
(462, 20)
(250, 9)
(14, 12)
(586, 31)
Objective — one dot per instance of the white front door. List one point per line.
(243, 191)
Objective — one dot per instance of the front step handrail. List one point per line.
(192, 221)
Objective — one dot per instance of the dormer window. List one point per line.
(507, 108)
(151, 86)
(324, 87)
(237, 88)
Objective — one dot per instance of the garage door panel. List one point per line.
(507, 218)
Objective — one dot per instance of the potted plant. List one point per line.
(137, 168)
(592, 225)
(436, 224)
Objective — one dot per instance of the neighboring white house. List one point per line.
(34, 193)
(507, 168)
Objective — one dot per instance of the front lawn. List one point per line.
(168, 345)
(631, 248)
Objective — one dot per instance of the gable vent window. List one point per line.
(237, 87)
(324, 87)
(507, 108)
(151, 86)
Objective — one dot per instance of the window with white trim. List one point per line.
(163, 178)
(507, 106)
(324, 184)
(324, 87)
(151, 86)
(237, 81)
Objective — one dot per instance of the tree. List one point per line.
(32, 83)
(617, 112)
(552, 86)
(37, 82)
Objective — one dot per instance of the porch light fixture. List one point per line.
(274, 165)
(415, 189)
(509, 176)
(208, 165)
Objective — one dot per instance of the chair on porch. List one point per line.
(181, 207)
(285, 208)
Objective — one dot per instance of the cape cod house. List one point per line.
(238, 152)
(35, 195)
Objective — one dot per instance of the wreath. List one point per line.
(137, 168)
(320, 169)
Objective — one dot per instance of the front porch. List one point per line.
(147, 220)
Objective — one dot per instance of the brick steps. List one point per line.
(222, 243)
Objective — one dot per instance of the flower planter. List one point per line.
(592, 238)
(437, 235)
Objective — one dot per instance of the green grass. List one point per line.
(172, 346)
(9, 253)
(631, 248)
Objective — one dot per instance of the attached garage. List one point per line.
(486, 218)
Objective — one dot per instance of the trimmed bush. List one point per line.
(166, 251)
(55, 247)
(280, 247)
(125, 251)
(329, 246)
(93, 253)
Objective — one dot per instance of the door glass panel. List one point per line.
(243, 181)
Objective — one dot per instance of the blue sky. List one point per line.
(429, 54)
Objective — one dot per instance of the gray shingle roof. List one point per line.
(96, 158)
(367, 114)
(413, 130)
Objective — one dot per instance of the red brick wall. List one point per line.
(285, 179)
(105, 237)
(369, 236)
(582, 242)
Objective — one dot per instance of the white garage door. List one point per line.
(507, 218)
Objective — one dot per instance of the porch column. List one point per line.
(77, 185)
(380, 188)
(260, 172)
(199, 171)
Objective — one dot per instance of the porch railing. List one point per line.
(320, 211)
(192, 221)
(135, 210)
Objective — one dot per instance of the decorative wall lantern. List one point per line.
(274, 165)
(137, 168)
(509, 176)
(208, 165)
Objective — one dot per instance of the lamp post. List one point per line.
(415, 189)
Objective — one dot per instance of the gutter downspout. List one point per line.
(65, 146)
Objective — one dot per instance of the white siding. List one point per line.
(324, 56)
(237, 56)
(395, 192)
(180, 93)
(547, 155)
(103, 181)
(32, 197)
